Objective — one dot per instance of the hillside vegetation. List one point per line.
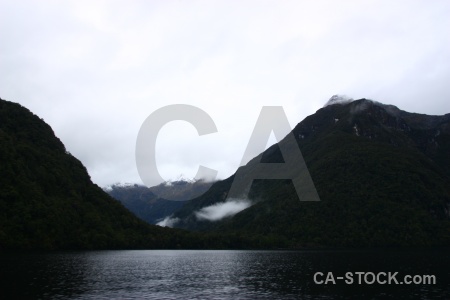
(382, 174)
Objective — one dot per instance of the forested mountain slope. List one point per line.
(48, 202)
(382, 174)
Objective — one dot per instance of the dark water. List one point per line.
(178, 274)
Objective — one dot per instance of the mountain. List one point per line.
(382, 175)
(156, 203)
(48, 202)
(141, 201)
(182, 189)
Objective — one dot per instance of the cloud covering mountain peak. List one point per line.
(338, 99)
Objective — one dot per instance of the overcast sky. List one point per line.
(94, 70)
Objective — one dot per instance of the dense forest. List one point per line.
(382, 174)
(48, 202)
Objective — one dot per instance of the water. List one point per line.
(186, 274)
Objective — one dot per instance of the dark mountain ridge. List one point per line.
(382, 174)
(48, 202)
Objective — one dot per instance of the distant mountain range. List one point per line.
(382, 174)
(151, 204)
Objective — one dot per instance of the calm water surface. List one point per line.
(186, 274)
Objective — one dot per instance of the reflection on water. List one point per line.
(182, 274)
